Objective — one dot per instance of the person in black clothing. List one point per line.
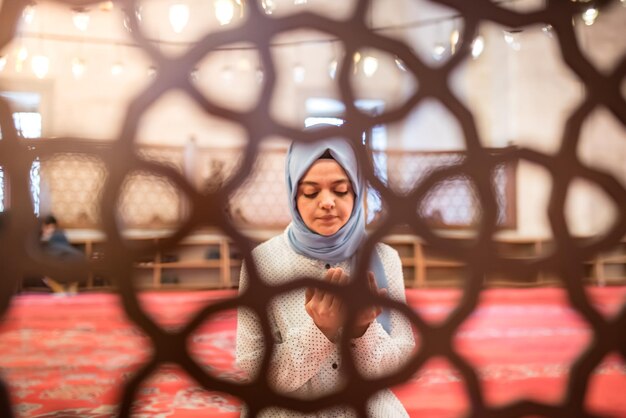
(55, 243)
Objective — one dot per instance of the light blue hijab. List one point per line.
(344, 243)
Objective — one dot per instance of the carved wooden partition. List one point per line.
(73, 183)
(18, 230)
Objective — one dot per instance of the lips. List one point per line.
(327, 218)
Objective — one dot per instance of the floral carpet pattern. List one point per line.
(69, 357)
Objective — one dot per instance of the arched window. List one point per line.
(28, 124)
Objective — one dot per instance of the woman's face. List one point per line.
(325, 197)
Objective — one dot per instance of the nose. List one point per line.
(327, 201)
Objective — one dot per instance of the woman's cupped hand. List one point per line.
(328, 311)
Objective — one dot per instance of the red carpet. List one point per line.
(68, 357)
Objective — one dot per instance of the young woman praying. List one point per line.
(326, 191)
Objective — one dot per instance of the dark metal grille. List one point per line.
(18, 257)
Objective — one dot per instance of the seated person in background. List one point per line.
(55, 243)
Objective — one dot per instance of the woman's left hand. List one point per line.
(366, 316)
(326, 308)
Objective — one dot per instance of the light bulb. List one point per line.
(78, 67)
(439, 50)
(298, 73)
(511, 37)
(332, 68)
(40, 65)
(478, 46)
(224, 11)
(548, 30)
(400, 64)
(269, 6)
(22, 53)
(3, 62)
(356, 58)
(455, 35)
(81, 19)
(179, 16)
(28, 14)
(106, 6)
(20, 58)
(590, 15)
(370, 66)
(117, 69)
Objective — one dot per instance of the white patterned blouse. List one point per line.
(305, 363)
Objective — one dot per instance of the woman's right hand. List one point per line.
(324, 307)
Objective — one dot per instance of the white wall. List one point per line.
(524, 97)
(520, 97)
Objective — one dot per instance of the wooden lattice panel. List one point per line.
(73, 184)
(149, 201)
(602, 87)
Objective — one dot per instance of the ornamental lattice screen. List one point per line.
(19, 255)
(70, 186)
